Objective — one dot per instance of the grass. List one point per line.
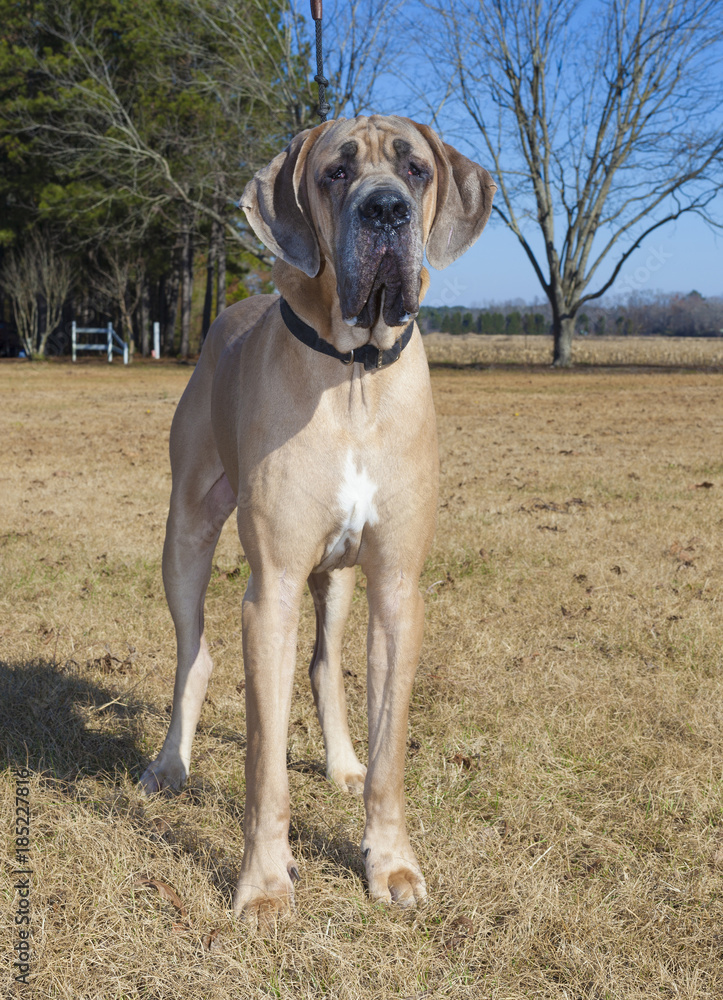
(659, 352)
(564, 758)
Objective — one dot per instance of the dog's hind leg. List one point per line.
(201, 501)
(332, 592)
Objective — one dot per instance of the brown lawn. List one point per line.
(564, 759)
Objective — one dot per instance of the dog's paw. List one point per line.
(394, 876)
(261, 900)
(162, 775)
(350, 778)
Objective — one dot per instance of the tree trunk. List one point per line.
(208, 300)
(126, 322)
(221, 270)
(186, 292)
(563, 328)
(171, 284)
(43, 331)
(144, 318)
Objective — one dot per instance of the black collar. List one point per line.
(368, 355)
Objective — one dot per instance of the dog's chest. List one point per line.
(355, 508)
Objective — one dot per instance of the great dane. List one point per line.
(311, 414)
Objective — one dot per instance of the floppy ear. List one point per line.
(274, 203)
(464, 202)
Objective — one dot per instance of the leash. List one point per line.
(368, 355)
(324, 108)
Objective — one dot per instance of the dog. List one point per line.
(310, 413)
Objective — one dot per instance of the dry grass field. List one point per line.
(649, 351)
(564, 772)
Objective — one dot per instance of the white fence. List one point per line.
(113, 343)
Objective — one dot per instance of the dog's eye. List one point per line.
(339, 174)
(414, 170)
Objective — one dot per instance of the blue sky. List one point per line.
(679, 257)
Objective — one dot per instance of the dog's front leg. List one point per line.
(396, 615)
(270, 619)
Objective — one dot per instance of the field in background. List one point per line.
(472, 348)
(564, 758)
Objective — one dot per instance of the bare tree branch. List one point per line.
(603, 123)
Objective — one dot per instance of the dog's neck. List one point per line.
(315, 300)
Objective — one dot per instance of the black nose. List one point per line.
(382, 209)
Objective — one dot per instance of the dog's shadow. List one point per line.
(331, 847)
(56, 722)
(65, 727)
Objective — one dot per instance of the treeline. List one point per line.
(499, 320)
(655, 314)
(127, 133)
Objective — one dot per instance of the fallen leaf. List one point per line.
(212, 941)
(165, 890)
(463, 761)
(683, 553)
(526, 661)
(161, 827)
(464, 931)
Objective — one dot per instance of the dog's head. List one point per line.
(368, 196)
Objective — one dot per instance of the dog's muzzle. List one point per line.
(380, 259)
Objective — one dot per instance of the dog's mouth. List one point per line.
(387, 298)
(380, 280)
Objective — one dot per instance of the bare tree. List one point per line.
(118, 278)
(33, 275)
(20, 281)
(363, 47)
(602, 122)
(55, 274)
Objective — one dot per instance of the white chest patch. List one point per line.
(356, 509)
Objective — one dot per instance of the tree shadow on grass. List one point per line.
(57, 722)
